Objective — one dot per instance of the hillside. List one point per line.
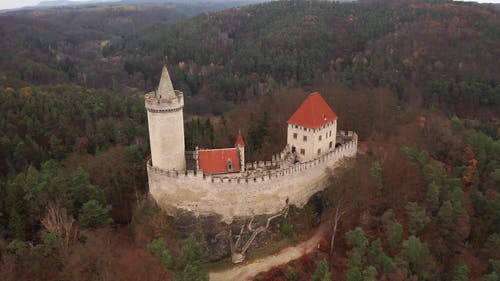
(432, 46)
(419, 81)
(67, 45)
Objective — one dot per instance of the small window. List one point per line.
(320, 138)
(330, 145)
(330, 133)
(305, 138)
(319, 151)
(294, 135)
(229, 165)
(324, 117)
(305, 129)
(302, 151)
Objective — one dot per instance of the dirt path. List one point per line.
(249, 270)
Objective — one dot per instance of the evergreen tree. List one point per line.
(460, 272)
(190, 264)
(415, 256)
(82, 190)
(394, 233)
(378, 259)
(322, 273)
(370, 274)
(433, 196)
(159, 250)
(445, 215)
(93, 214)
(354, 274)
(417, 217)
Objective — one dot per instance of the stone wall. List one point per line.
(240, 196)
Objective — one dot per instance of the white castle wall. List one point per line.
(245, 196)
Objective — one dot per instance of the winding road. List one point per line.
(248, 271)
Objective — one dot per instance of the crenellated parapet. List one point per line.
(157, 103)
(261, 191)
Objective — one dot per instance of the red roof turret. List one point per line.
(239, 140)
(313, 113)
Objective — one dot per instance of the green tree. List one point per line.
(354, 274)
(415, 256)
(93, 214)
(357, 238)
(376, 257)
(190, 264)
(16, 224)
(56, 147)
(394, 233)
(82, 190)
(433, 190)
(370, 274)
(417, 217)
(493, 242)
(460, 272)
(445, 215)
(376, 170)
(159, 250)
(494, 276)
(322, 273)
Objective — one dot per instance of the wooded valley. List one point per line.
(419, 81)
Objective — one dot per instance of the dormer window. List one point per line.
(324, 117)
(229, 165)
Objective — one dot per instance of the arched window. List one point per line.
(229, 165)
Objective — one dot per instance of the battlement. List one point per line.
(157, 103)
(259, 171)
(262, 190)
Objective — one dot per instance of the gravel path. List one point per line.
(247, 271)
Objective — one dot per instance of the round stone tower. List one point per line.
(166, 125)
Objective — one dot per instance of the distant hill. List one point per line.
(448, 50)
(60, 3)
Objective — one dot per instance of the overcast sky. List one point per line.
(10, 4)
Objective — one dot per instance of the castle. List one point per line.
(221, 182)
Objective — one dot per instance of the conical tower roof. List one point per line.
(239, 140)
(313, 113)
(165, 88)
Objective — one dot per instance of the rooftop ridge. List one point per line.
(211, 149)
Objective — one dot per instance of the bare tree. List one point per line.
(58, 221)
(237, 250)
(338, 214)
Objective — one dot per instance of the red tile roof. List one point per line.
(313, 113)
(214, 161)
(239, 140)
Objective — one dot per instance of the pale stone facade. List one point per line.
(245, 194)
(309, 143)
(259, 188)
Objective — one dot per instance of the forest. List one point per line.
(419, 81)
